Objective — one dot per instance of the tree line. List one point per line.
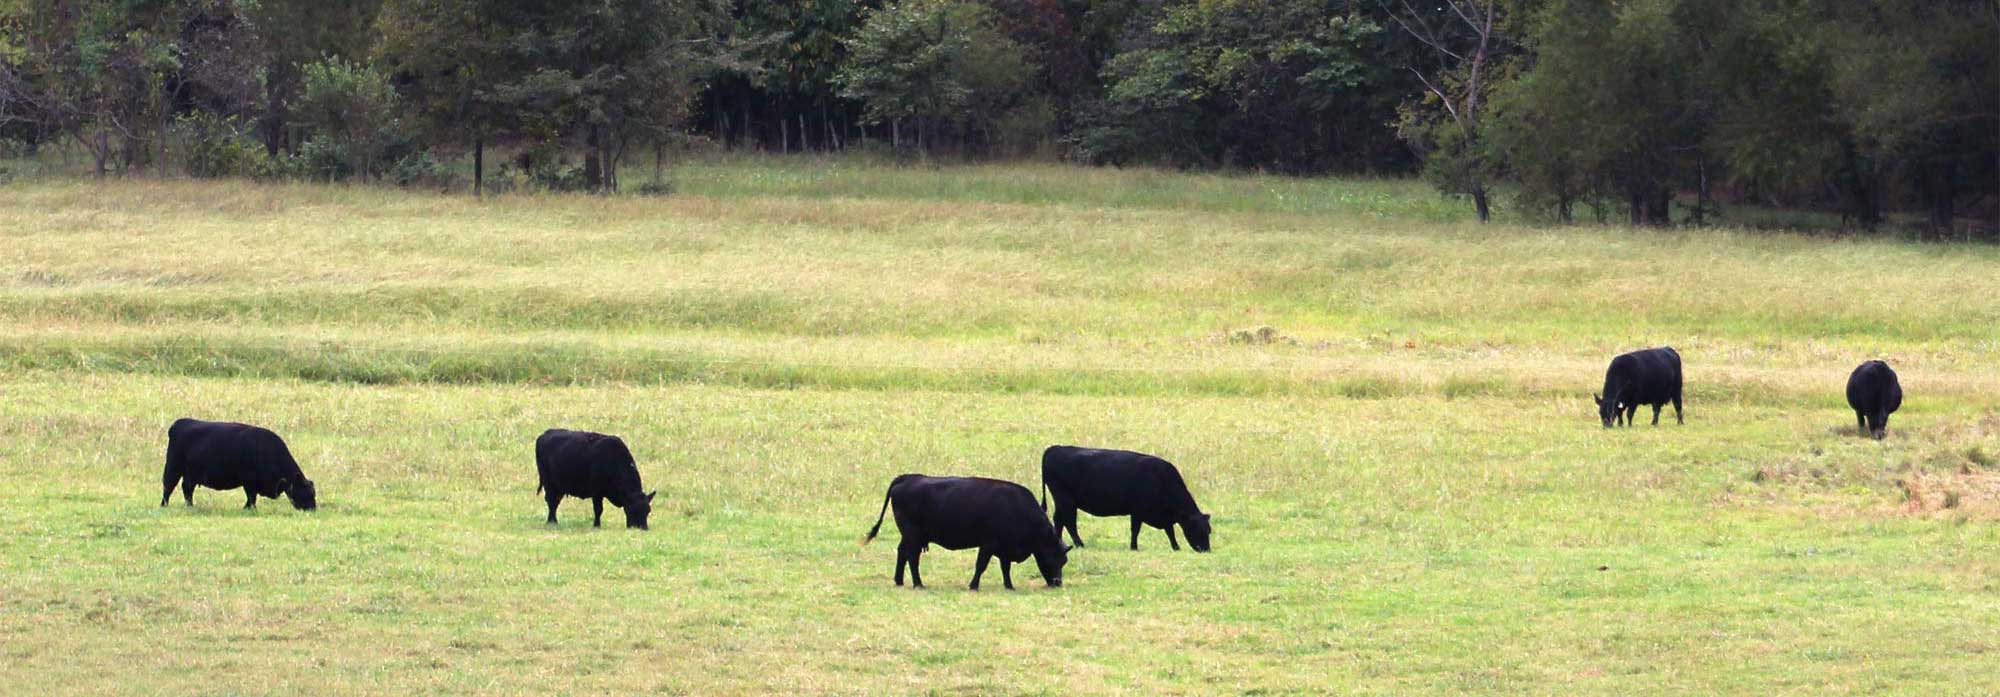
(1647, 111)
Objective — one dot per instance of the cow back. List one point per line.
(1646, 376)
(585, 464)
(1116, 482)
(226, 455)
(965, 512)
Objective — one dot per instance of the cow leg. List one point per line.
(250, 497)
(979, 567)
(187, 489)
(1066, 520)
(1135, 533)
(1861, 422)
(1007, 573)
(1170, 539)
(1656, 414)
(597, 511)
(555, 499)
(1881, 425)
(168, 480)
(1677, 411)
(908, 553)
(1631, 414)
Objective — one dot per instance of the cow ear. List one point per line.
(1067, 548)
(1598, 399)
(651, 494)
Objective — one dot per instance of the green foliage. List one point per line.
(1239, 83)
(214, 146)
(1794, 101)
(316, 159)
(938, 63)
(420, 169)
(351, 106)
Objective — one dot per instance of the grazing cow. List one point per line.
(1121, 482)
(590, 466)
(1646, 376)
(1875, 394)
(222, 455)
(1000, 518)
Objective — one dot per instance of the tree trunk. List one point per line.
(832, 141)
(593, 163)
(164, 124)
(748, 136)
(721, 122)
(1479, 203)
(1701, 194)
(614, 150)
(784, 134)
(478, 166)
(1943, 198)
(895, 134)
(102, 151)
(803, 145)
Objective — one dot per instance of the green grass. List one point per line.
(1410, 491)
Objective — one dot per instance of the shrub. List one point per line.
(11, 148)
(420, 169)
(324, 159)
(351, 106)
(214, 146)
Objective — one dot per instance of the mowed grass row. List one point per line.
(1410, 489)
(283, 255)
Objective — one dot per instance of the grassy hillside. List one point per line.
(1386, 408)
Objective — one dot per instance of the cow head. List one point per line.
(1050, 559)
(636, 510)
(302, 494)
(1195, 526)
(1607, 411)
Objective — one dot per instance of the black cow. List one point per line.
(1121, 482)
(1875, 394)
(590, 466)
(1646, 376)
(222, 455)
(1000, 518)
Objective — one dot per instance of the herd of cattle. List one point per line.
(999, 518)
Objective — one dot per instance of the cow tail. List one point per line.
(878, 517)
(541, 466)
(1045, 496)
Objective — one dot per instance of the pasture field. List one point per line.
(1385, 407)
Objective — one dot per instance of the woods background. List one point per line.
(1647, 112)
